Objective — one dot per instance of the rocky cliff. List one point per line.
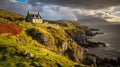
(58, 40)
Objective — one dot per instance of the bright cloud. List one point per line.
(54, 12)
(57, 12)
(108, 14)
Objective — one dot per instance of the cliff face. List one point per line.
(58, 40)
(78, 36)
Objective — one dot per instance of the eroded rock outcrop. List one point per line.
(66, 46)
(42, 38)
(72, 50)
(79, 37)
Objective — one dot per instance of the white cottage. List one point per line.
(34, 18)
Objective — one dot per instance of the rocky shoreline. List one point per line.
(97, 61)
(89, 33)
(92, 59)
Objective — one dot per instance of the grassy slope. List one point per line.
(7, 17)
(12, 47)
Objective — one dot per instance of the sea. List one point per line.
(111, 38)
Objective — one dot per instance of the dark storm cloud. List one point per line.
(89, 4)
(13, 6)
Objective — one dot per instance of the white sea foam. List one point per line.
(105, 34)
(107, 45)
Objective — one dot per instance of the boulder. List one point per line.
(30, 54)
(27, 54)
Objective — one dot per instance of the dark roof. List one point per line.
(35, 16)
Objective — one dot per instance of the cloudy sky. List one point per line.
(66, 9)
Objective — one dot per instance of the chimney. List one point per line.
(38, 13)
(28, 12)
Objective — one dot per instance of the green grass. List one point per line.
(11, 48)
(6, 39)
(8, 17)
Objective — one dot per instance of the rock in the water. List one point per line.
(113, 61)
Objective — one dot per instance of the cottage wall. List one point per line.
(37, 20)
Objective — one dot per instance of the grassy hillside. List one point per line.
(8, 17)
(38, 45)
(12, 53)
